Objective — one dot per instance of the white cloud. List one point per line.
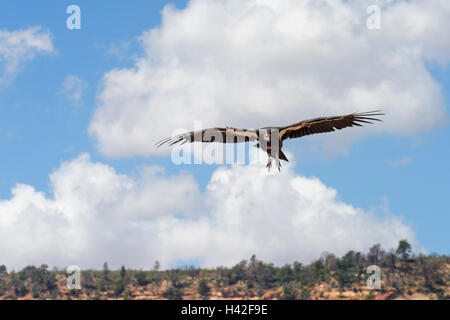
(96, 215)
(120, 50)
(404, 161)
(72, 89)
(424, 27)
(257, 63)
(19, 46)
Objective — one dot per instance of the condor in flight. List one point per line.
(270, 139)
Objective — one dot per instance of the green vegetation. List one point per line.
(119, 288)
(289, 292)
(203, 289)
(173, 293)
(402, 275)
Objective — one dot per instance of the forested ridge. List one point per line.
(403, 275)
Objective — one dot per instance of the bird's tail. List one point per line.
(283, 156)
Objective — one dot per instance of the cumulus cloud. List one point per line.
(19, 46)
(427, 25)
(72, 89)
(257, 63)
(96, 214)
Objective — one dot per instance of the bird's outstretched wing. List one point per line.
(222, 135)
(327, 124)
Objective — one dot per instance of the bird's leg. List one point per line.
(278, 164)
(269, 163)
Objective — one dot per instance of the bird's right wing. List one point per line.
(221, 135)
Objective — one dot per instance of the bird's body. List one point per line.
(270, 139)
(272, 144)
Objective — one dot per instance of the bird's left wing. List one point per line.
(221, 135)
(327, 124)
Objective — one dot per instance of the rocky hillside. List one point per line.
(402, 276)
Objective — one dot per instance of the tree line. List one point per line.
(401, 270)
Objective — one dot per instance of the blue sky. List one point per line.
(40, 128)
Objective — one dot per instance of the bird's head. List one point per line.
(230, 130)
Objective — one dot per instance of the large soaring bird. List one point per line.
(270, 139)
